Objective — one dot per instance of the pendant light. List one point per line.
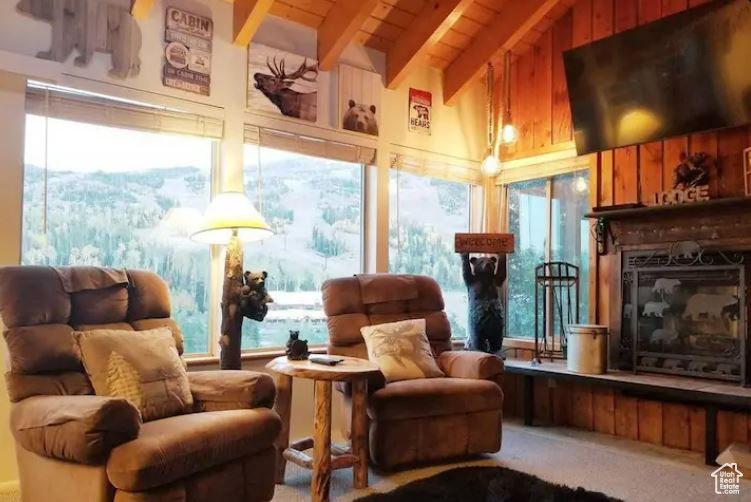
(508, 131)
(491, 166)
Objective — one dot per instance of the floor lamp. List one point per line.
(231, 220)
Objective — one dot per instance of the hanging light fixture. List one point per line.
(508, 131)
(491, 166)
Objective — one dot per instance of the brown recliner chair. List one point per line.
(74, 446)
(425, 420)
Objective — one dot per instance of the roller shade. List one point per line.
(68, 104)
(308, 145)
(448, 169)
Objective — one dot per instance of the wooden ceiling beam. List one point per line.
(429, 26)
(339, 27)
(506, 29)
(246, 18)
(141, 9)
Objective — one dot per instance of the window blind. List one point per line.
(436, 167)
(308, 145)
(69, 104)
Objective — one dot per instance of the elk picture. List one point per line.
(294, 93)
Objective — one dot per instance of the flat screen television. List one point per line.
(684, 73)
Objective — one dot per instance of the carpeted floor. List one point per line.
(628, 470)
(624, 469)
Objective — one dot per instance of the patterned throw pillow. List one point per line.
(401, 350)
(140, 366)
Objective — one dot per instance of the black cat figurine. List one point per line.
(297, 350)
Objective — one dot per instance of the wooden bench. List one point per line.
(711, 395)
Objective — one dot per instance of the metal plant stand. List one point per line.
(556, 306)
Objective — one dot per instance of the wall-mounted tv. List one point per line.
(684, 73)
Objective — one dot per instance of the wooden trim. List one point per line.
(545, 169)
(141, 9)
(429, 26)
(339, 27)
(246, 18)
(506, 29)
(688, 209)
(730, 396)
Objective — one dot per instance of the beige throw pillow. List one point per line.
(401, 350)
(141, 366)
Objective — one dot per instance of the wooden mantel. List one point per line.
(716, 223)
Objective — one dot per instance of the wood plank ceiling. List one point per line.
(452, 35)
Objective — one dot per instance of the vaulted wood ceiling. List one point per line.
(456, 36)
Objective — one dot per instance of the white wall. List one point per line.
(457, 131)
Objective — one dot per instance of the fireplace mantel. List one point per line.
(722, 223)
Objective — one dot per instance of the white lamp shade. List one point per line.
(231, 212)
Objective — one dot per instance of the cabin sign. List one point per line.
(187, 64)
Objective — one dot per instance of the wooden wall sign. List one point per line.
(484, 243)
(187, 64)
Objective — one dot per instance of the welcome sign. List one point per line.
(484, 243)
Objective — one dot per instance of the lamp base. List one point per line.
(232, 316)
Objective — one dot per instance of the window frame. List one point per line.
(475, 211)
(547, 175)
(258, 351)
(212, 318)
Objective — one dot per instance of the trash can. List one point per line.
(587, 349)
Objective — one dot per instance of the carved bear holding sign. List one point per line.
(483, 277)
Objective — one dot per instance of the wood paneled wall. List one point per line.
(540, 109)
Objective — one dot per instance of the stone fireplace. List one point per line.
(681, 312)
(672, 289)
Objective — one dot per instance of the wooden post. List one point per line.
(322, 442)
(283, 408)
(232, 318)
(360, 432)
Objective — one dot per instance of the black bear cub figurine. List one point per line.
(297, 350)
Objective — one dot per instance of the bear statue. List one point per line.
(254, 297)
(483, 278)
(297, 350)
(90, 26)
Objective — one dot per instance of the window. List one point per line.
(96, 195)
(314, 207)
(547, 218)
(425, 214)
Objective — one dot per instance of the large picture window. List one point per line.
(96, 195)
(314, 207)
(547, 218)
(425, 214)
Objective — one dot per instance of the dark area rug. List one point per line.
(486, 484)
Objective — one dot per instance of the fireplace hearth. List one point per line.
(684, 312)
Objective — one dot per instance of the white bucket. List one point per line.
(587, 349)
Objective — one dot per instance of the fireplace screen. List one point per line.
(684, 313)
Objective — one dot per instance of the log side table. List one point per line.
(353, 370)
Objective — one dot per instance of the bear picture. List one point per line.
(360, 118)
(359, 99)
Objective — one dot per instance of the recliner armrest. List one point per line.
(81, 429)
(475, 365)
(231, 390)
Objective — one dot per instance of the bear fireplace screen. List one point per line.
(684, 312)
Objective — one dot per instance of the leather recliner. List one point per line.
(423, 420)
(73, 445)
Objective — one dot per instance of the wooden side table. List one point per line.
(353, 370)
